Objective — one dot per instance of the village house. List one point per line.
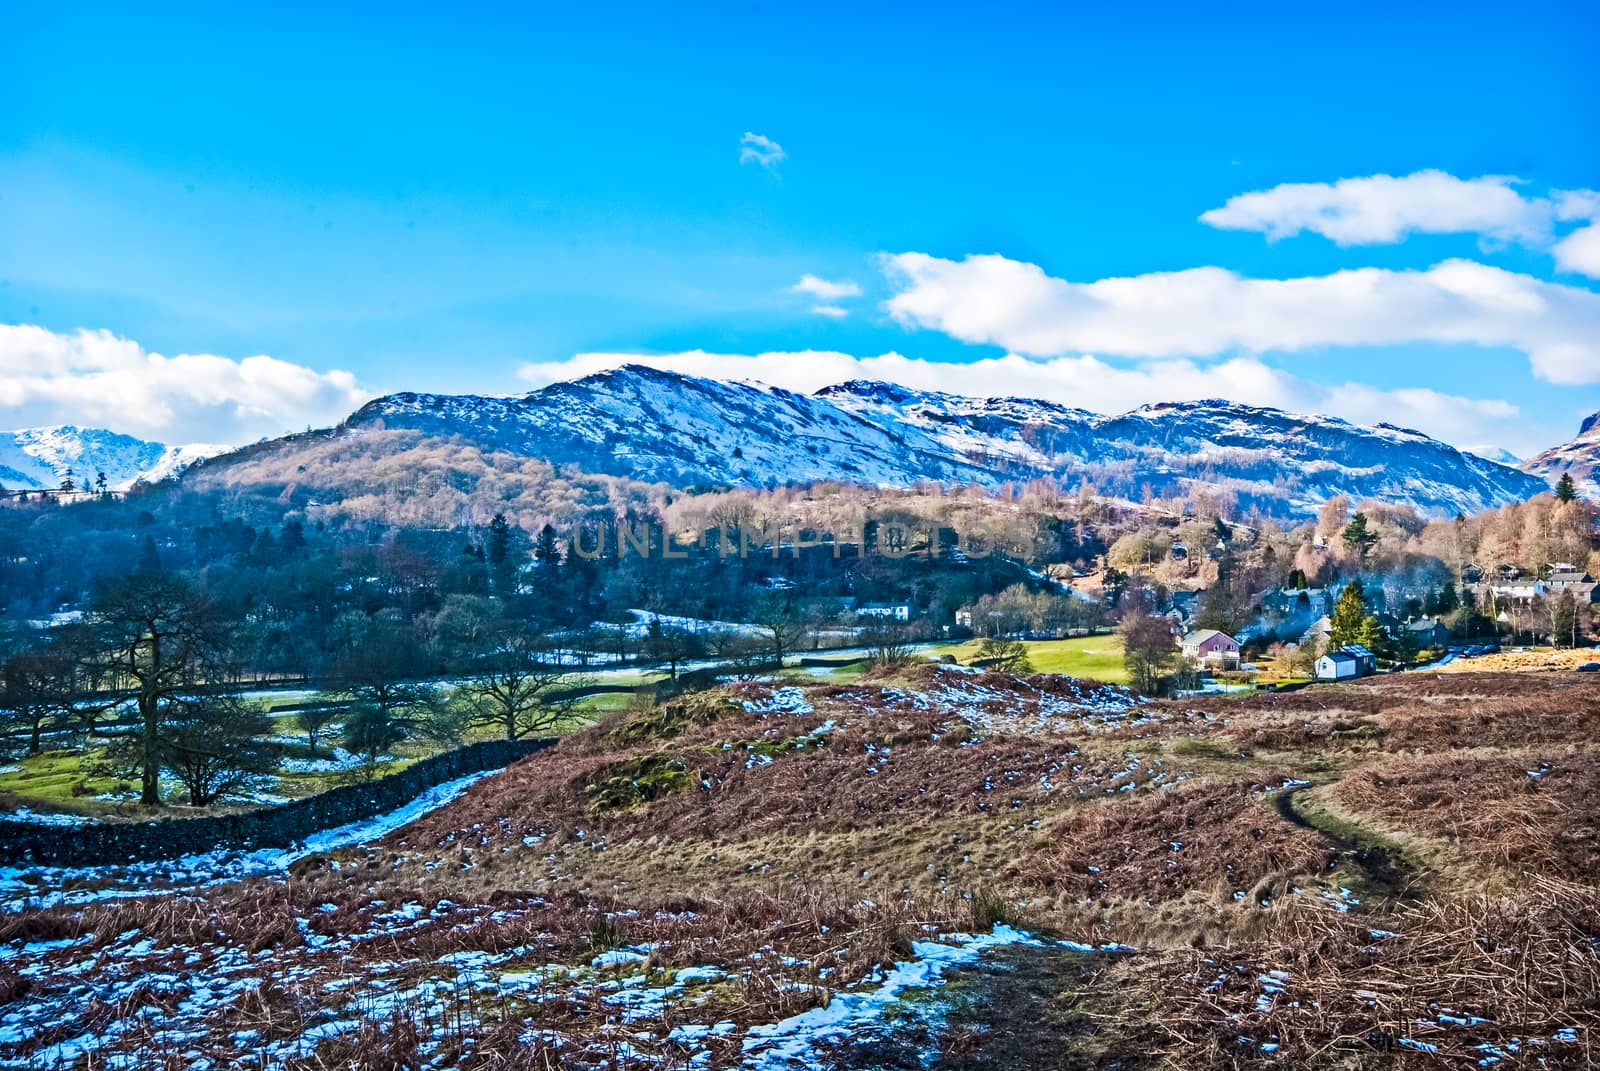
(1345, 664)
(1506, 596)
(1295, 602)
(1212, 649)
(1582, 585)
(1181, 606)
(1429, 632)
(1319, 632)
(885, 611)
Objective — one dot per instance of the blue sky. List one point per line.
(484, 199)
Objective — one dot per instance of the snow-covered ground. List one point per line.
(24, 886)
(795, 1042)
(657, 1006)
(1019, 708)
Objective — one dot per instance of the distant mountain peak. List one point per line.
(42, 458)
(1580, 457)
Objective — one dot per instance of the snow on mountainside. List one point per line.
(1581, 457)
(653, 425)
(41, 458)
(1289, 461)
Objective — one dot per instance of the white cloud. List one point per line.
(825, 289)
(1580, 251)
(95, 379)
(828, 294)
(1210, 311)
(1385, 208)
(1577, 204)
(760, 149)
(1092, 383)
(1380, 209)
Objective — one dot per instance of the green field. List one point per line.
(60, 780)
(1098, 657)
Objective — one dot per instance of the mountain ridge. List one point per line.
(658, 426)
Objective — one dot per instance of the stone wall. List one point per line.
(112, 843)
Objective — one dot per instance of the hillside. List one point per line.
(938, 869)
(1581, 457)
(648, 425)
(41, 458)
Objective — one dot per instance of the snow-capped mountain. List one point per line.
(1581, 457)
(660, 426)
(653, 425)
(43, 458)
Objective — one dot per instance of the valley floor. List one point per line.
(942, 868)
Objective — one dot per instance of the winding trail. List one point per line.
(1386, 876)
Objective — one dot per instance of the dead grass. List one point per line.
(798, 849)
(1217, 839)
(1410, 711)
(1444, 983)
(1533, 814)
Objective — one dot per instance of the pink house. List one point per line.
(1211, 648)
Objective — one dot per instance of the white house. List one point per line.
(1346, 664)
(896, 611)
(1338, 666)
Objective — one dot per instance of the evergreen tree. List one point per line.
(499, 541)
(293, 539)
(1359, 536)
(1373, 637)
(546, 548)
(149, 557)
(1449, 602)
(1114, 581)
(502, 564)
(1564, 620)
(1350, 618)
(1566, 489)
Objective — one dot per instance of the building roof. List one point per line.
(1205, 635)
(1357, 651)
(1339, 656)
